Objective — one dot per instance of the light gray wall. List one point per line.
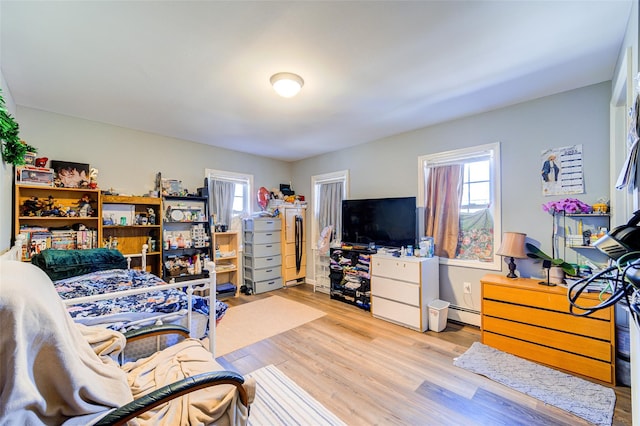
(128, 160)
(389, 167)
(6, 179)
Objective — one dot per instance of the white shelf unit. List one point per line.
(322, 281)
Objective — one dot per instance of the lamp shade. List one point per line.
(286, 84)
(512, 245)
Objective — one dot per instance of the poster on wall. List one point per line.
(561, 170)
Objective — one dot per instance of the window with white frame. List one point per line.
(229, 197)
(327, 192)
(460, 193)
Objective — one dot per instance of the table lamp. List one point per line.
(513, 247)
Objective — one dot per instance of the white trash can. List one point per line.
(438, 311)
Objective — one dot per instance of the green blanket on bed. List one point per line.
(61, 264)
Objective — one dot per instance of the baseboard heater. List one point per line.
(463, 314)
(461, 308)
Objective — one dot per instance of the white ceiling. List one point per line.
(199, 70)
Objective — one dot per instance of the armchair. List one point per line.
(54, 371)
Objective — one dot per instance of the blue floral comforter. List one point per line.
(117, 312)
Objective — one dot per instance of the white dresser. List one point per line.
(262, 259)
(402, 288)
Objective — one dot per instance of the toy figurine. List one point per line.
(84, 206)
(93, 178)
(152, 216)
(31, 207)
(48, 207)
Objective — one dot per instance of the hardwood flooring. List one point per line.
(371, 372)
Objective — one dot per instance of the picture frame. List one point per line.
(171, 187)
(70, 174)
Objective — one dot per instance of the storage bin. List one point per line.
(438, 311)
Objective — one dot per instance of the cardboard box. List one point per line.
(30, 175)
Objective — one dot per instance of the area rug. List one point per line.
(251, 322)
(280, 401)
(591, 401)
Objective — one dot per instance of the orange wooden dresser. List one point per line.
(532, 321)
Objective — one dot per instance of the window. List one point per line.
(459, 191)
(229, 198)
(327, 192)
(476, 186)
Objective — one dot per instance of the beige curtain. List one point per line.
(442, 208)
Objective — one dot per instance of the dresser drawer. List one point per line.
(262, 274)
(290, 260)
(262, 250)
(400, 291)
(264, 286)
(540, 299)
(262, 237)
(262, 262)
(263, 225)
(399, 313)
(396, 268)
(548, 319)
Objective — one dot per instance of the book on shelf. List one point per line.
(40, 238)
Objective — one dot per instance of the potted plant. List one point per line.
(536, 253)
(13, 149)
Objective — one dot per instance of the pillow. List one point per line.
(61, 264)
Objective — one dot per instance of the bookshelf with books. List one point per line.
(50, 217)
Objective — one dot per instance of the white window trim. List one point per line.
(462, 154)
(339, 176)
(235, 177)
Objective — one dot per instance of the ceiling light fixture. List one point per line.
(286, 84)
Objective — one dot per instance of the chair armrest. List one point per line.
(156, 330)
(122, 415)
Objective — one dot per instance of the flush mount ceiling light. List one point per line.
(286, 84)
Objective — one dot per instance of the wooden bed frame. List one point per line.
(203, 284)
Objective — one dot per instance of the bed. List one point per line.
(99, 288)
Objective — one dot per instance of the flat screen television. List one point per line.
(387, 222)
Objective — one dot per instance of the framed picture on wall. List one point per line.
(70, 175)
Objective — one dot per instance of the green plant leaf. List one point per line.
(13, 149)
(536, 253)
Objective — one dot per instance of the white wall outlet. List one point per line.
(467, 288)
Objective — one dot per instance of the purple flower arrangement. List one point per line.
(567, 206)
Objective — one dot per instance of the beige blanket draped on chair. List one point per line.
(54, 371)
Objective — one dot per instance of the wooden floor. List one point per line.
(371, 372)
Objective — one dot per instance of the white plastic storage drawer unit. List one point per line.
(402, 288)
(262, 250)
(264, 286)
(263, 262)
(262, 254)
